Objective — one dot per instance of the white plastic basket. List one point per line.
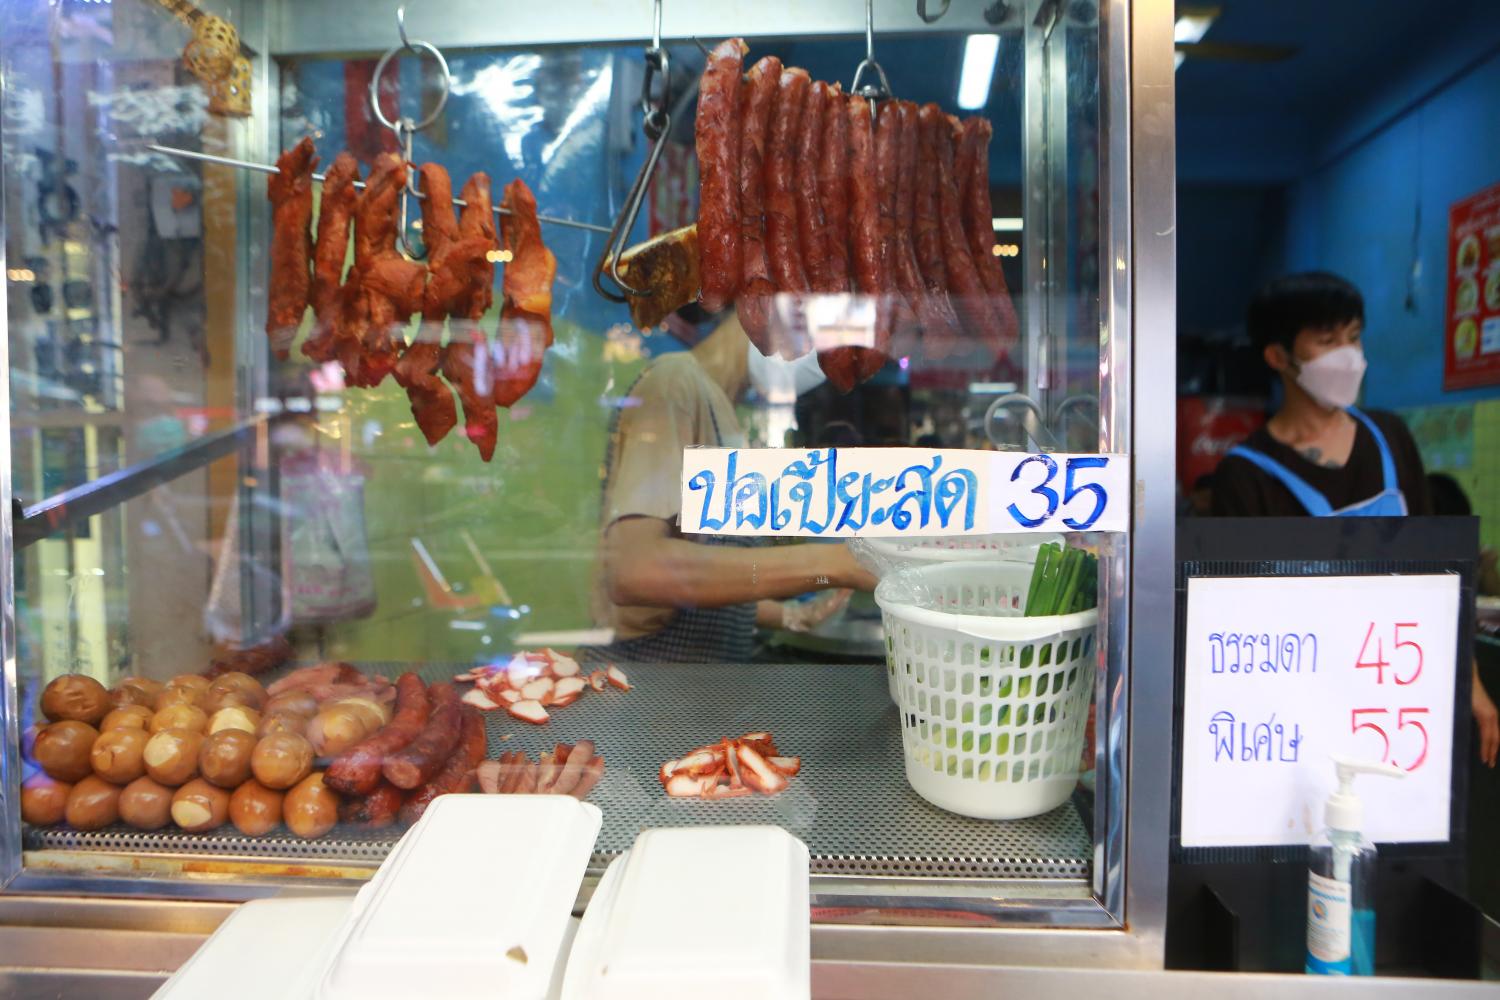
(993, 705)
(883, 556)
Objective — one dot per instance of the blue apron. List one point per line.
(1389, 502)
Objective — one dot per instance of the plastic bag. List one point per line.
(325, 550)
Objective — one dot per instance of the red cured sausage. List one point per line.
(833, 179)
(970, 299)
(811, 225)
(868, 258)
(756, 100)
(375, 811)
(975, 147)
(941, 331)
(425, 756)
(329, 253)
(290, 194)
(457, 774)
(887, 166)
(783, 247)
(718, 140)
(926, 237)
(357, 770)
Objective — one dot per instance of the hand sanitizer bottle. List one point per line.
(1341, 881)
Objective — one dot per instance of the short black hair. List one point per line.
(1313, 300)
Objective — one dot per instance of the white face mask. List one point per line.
(1333, 379)
(777, 380)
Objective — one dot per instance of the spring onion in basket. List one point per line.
(1063, 581)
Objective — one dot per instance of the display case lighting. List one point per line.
(1192, 24)
(978, 70)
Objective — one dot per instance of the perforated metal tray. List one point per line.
(851, 803)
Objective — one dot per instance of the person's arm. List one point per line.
(1486, 719)
(645, 565)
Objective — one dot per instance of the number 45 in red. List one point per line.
(1379, 662)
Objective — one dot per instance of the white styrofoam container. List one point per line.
(473, 902)
(288, 939)
(689, 913)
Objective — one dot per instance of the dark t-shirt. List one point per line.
(1242, 489)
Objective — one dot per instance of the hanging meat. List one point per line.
(387, 287)
(526, 317)
(432, 403)
(335, 209)
(718, 141)
(756, 100)
(865, 239)
(290, 193)
(970, 299)
(914, 308)
(974, 151)
(467, 362)
(818, 194)
(783, 245)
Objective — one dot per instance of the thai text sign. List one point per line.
(1281, 673)
(834, 493)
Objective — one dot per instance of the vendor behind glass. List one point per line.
(1319, 454)
(671, 597)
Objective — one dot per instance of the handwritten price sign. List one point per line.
(834, 493)
(1283, 672)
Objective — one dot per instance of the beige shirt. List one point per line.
(674, 405)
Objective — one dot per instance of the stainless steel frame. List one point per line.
(10, 766)
(1119, 920)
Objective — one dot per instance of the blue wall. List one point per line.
(1376, 211)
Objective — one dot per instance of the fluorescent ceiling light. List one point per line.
(978, 70)
(1192, 24)
(1006, 223)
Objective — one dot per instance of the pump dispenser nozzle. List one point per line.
(1344, 810)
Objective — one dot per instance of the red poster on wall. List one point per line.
(1471, 325)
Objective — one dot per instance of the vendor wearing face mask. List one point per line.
(1319, 454)
(670, 597)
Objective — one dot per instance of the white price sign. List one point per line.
(1281, 673)
(841, 493)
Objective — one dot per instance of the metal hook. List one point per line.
(657, 125)
(931, 18)
(870, 90)
(406, 133)
(401, 26)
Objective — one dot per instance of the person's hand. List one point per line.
(841, 569)
(804, 616)
(1487, 718)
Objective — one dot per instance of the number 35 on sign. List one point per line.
(841, 493)
(1280, 673)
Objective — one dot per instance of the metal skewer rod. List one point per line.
(268, 168)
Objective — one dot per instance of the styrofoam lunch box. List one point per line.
(696, 912)
(475, 900)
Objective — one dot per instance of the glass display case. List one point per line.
(395, 522)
